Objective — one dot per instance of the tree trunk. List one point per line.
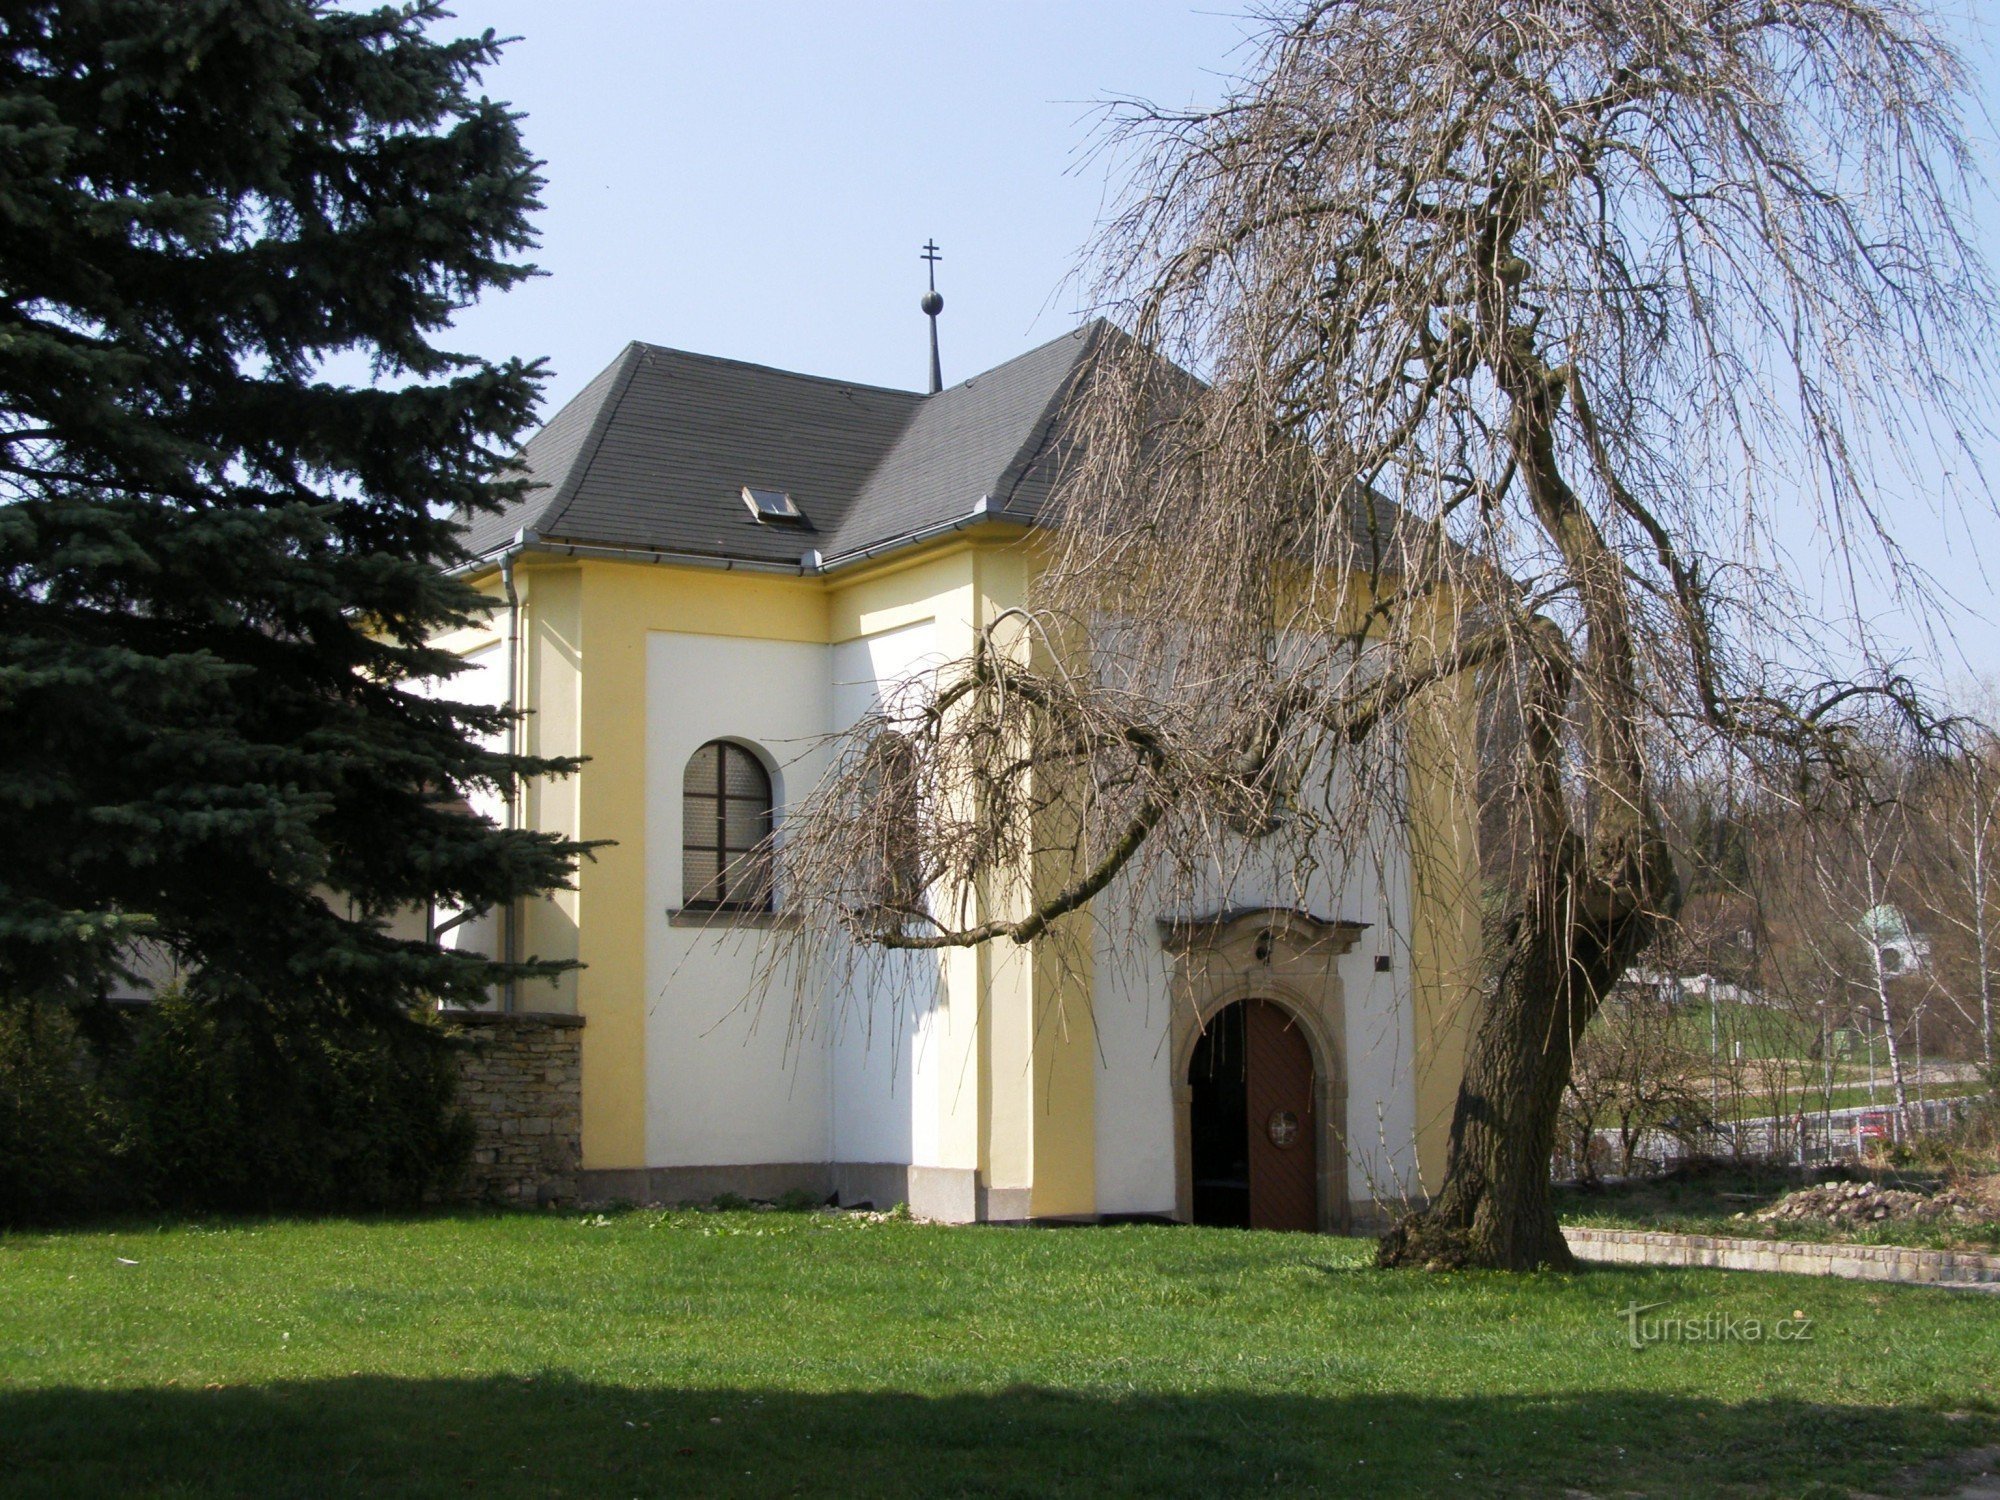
(1897, 1087)
(1587, 910)
(1981, 938)
(1591, 900)
(1882, 1004)
(1550, 973)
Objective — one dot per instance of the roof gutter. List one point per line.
(982, 511)
(528, 541)
(809, 564)
(662, 556)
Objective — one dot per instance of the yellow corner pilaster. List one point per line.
(1444, 910)
(1040, 1046)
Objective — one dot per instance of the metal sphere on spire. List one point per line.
(932, 305)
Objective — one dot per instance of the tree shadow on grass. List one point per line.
(555, 1435)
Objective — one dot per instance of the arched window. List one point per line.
(725, 818)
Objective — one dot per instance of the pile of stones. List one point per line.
(1849, 1204)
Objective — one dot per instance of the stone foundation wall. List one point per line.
(521, 1081)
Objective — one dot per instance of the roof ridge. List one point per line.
(593, 440)
(1087, 337)
(751, 364)
(1084, 334)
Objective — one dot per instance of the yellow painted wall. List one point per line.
(586, 625)
(1017, 1079)
(1444, 910)
(474, 637)
(937, 585)
(552, 685)
(549, 683)
(1040, 1045)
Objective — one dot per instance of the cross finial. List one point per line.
(932, 305)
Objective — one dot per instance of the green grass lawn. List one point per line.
(1855, 1095)
(649, 1353)
(1759, 1030)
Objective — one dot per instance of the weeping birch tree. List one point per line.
(1526, 339)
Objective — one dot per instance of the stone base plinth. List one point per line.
(521, 1081)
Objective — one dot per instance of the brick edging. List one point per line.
(1855, 1262)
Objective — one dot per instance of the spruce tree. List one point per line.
(220, 564)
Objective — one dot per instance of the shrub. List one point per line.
(1968, 1147)
(195, 1105)
(62, 1137)
(237, 1110)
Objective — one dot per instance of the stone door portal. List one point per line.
(1252, 1124)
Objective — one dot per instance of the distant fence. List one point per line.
(1810, 1137)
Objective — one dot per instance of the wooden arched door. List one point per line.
(1253, 1126)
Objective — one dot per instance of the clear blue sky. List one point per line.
(755, 180)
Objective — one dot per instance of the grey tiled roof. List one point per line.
(987, 439)
(654, 452)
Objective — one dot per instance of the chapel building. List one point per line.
(717, 566)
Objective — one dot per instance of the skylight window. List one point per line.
(772, 506)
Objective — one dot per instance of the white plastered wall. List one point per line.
(1132, 1008)
(884, 1026)
(483, 681)
(1380, 1045)
(729, 1080)
(734, 1082)
(734, 1078)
